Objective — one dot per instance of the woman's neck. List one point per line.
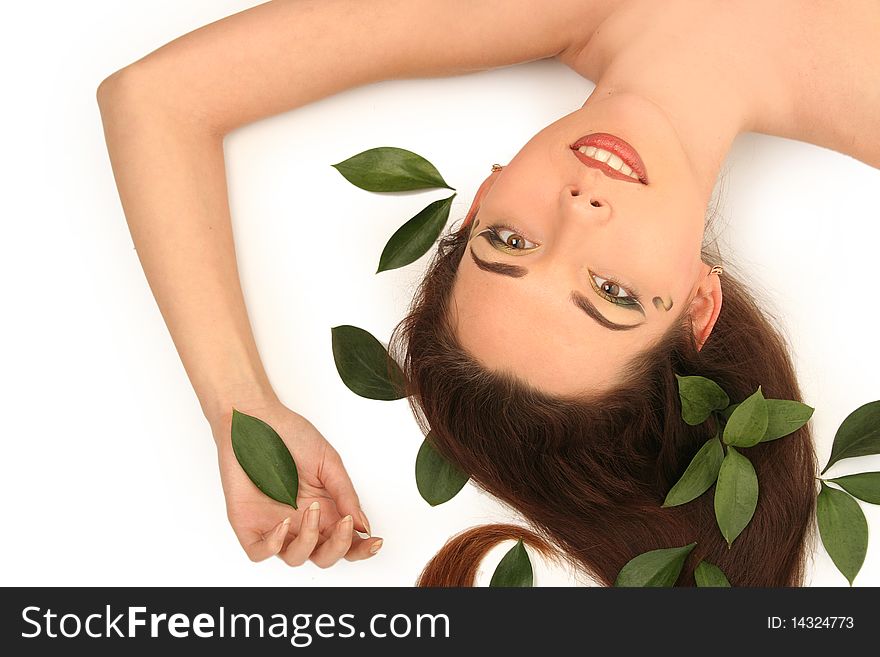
(786, 68)
(679, 57)
(706, 124)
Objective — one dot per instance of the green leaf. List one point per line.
(390, 169)
(655, 567)
(438, 479)
(748, 422)
(699, 397)
(413, 240)
(708, 574)
(736, 495)
(858, 435)
(363, 364)
(785, 416)
(264, 457)
(514, 569)
(865, 486)
(699, 475)
(843, 529)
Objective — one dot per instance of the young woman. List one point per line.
(542, 347)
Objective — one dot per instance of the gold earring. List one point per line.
(497, 167)
(717, 269)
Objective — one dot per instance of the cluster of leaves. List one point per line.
(390, 169)
(842, 524)
(362, 361)
(718, 461)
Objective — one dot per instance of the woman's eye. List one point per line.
(511, 240)
(612, 291)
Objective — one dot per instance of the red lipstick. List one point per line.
(602, 141)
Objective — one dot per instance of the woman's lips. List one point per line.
(618, 156)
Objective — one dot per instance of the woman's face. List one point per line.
(569, 271)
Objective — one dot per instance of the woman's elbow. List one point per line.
(124, 84)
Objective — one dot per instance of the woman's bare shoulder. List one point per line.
(837, 78)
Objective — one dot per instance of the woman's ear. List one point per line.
(705, 306)
(481, 192)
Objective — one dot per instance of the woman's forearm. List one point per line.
(170, 173)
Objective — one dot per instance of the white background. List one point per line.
(108, 469)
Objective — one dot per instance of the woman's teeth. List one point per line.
(608, 158)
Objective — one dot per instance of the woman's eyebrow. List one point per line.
(514, 271)
(584, 303)
(578, 299)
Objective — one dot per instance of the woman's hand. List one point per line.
(322, 527)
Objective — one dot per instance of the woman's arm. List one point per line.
(171, 179)
(165, 117)
(287, 53)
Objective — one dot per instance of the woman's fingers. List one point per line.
(336, 545)
(337, 482)
(360, 548)
(269, 544)
(363, 548)
(340, 541)
(299, 549)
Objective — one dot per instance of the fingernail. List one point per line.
(365, 522)
(314, 514)
(374, 548)
(282, 529)
(346, 523)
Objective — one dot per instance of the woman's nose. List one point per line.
(587, 202)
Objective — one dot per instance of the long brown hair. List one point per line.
(590, 475)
